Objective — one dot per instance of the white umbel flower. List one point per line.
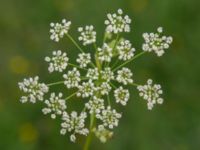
(58, 62)
(109, 117)
(74, 124)
(124, 76)
(125, 50)
(33, 89)
(58, 30)
(107, 74)
(102, 133)
(116, 23)
(121, 95)
(55, 105)
(83, 59)
(72, 78)
(156, 42)
(95, 105)
(104, 88)
(87, 35)
(105, 53)
(86, 89)
(151, 93)
(92, 73)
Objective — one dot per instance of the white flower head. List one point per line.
(151, 93)
(55, 105)
(33, 89)
(86, 89)
(92, 73)
(104, 88)
(107, 74)
(125, 50)
(105, 53)
(58, 30)
(102, 133)
(72, 78)
(58, 62)
(121, 95)
(124, 76)
(74, 124)
(84, 59)
(95, 105)
(87, 34)
(109, 117)
(156, 42)
(117, 23)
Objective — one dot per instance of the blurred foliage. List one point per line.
(24, 42)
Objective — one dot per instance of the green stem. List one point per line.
(75, 43)
(67, 98)
(136, 56)
(55, 83)
(89, 137)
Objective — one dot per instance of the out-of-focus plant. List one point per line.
(101, 73)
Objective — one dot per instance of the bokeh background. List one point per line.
(24, 42)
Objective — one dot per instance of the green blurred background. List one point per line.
(24, 42)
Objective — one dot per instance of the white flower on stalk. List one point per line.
(102, 133)
(109, 117)
(151, 93)
(95, 105)
(33, 89)
(58, 62)
(72, 78)
(156, 42)
(116, 23)
(124, 76)
(83, 59)
(74, 124)
(105, 53)
(104, 88)
(107, 74)
(87, 35)
(125, 50)
(58, 30)
(121, 95)
(86, 89)
(92, 73)
(55, 105)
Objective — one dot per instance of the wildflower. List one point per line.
(121, 95)
(156, 42)
(95, 105)
(107, 74)
(110, 118)
(105, 53)
(58, 30)
(102, 133)
(125, 50)
(72, 78)
(104, 88)
(33, 89)
(87, 35)
(117, 23)
(55, 105)
(86, 89)
(84, 59)
(74, 124)
(58, 62)
(151, 93)
(92, 73)
(124, 76)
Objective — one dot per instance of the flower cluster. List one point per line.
(151, 93)
(88, 35)
(58, 30)
(156, 42)
(100, 79)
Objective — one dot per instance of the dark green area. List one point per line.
(24, 42)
